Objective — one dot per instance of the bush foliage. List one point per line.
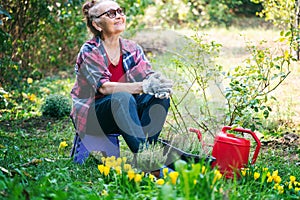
(56, 106)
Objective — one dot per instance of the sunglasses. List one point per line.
(112, 13)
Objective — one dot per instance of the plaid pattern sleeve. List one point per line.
(92, 71)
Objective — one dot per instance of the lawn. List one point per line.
(35, 165)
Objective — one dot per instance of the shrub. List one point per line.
(56, 106)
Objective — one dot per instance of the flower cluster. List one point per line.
(187, 178)
(120, 167)
(272, 179)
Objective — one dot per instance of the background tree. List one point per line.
(285, 15)
(40, 38)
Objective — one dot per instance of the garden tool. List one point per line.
(232, 152)
(173, 153)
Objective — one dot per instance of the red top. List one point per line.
(117, 72)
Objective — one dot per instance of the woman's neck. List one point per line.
(112, 42)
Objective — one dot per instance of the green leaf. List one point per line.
(180, 165)
(288, 33)
(266, 114)
(282, 33)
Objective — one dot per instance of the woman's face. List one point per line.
(106, 22)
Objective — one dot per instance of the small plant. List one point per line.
(56, 106)
(151, 157)
(187, 143)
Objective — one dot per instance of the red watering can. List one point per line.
(231, 152)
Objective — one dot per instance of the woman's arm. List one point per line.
(112, 87)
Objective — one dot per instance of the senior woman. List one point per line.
(116, 90)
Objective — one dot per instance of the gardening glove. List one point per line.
(162, 95)
(158, 86)
(164, 89)
(151, 83)
(165, 85)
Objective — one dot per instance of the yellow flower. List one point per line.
(275, 173)
(217, 176)
(268, 174)
(151, 176)
(195, 181)
(203, 170)
(32, 97)
(265, 169)
(276, 186)
(173, 176)
(119, 161)
(112, 158)
(29, 80)
(124, 159)
(104, 193)
(118, 170)
(6, 96)
(277, 179)
(109, 163)
(297, 189)
(280, 189)
(63, 145)
(244, 172)
(103, 160)
(127, 167)
(290, 186)
(160, 181)
(270, 179)
(138, 178)
(106, 170)
(165, 171)
(256, 175)
(292, 179)
(130, 174)
(101, 168)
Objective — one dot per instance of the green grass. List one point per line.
(37, 169)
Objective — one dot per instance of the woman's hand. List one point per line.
(158, 86)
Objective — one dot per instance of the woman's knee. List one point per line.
(122, 99)
(121, 96)
(165, 103)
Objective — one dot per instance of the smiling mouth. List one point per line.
(119, 23)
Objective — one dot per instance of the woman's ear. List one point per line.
(96, 26)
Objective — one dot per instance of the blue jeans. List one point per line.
(139, 118)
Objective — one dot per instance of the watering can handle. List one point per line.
(226, 128)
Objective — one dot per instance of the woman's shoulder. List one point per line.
(89, 45)
(129, 45)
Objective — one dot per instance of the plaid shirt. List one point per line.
(92, 71)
